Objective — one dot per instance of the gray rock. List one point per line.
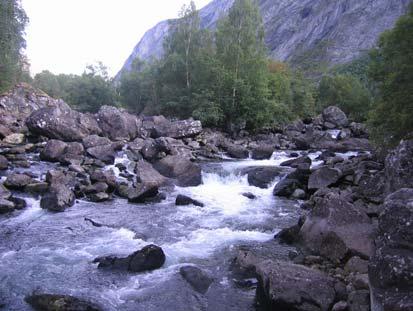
(178, 129)
(148, 175)
(14, 139)
(262, 152)
(294, 163)
(185, 200)
(262, 177)
(335, 227)
(4, 192)
(356, 265)
(99, 197)
(53, 150)
(48, 302)
(142, 192)
(293, 181)
(6, 206)
(236, 151)
(94, 141)
(197, 278)
(279, 281)
(335, 116)
(149, 258)
(58, 198)
(37, 187)
(4, 163)
(359, 301)
(340, 306)
(104, 153)
(185, 172)
(17, 181)
(399, 167)
(323, 177)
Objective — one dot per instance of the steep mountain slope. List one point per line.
(301, 32)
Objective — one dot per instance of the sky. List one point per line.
(63, 36)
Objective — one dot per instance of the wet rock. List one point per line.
(104, 153)
(278, 283)
(48, 302)
(359, 301)
(118, 124)
(106, 176)
(14, 139)
(356, 265)
(6, 206)
(335, 227)
(4, 192)
(249, 195)
(294, 163)
(60, 177)
(99, 197)
(237, 151)
(335, 116)
(94, 141)
(399, 167)
(154, 149)
(323, 177)
(185, 200)
(391, 267)
(262, 152)
(185, 172)
(299, 194)
(262, 177)
(360, 281)
(148, 175)
(149, 258)
(17, 181)
(62, 123)
(53, 150)
(19, 203)
(289, 235)
(293, 181)
(58, 198)
(4, 163)
(176, 129)
(96, 188)
(37, 187)
(197, 278)
(359, 130)
(340, 306)
(141, 193)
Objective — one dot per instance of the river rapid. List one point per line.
(44, 252)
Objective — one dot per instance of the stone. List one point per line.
(99, 197)
(323, 177)
(177, 129)
(17, 181)
(359, 300)
(298, 179)
(262, 177)
(185, 172)
(141, 193)
(289, 235)
(340, 306)
(262, 152)
(49, 302)
(299, 194)
(6, 206)
(14, 139)
(197, 278)
(335, 116)
(148, 175)
(356, 265)
(19, 203)
(334, 227)
(4, 163)
(37, 187)
(4, 192)
(249, 195)
(94, 141)
(399, 167)
(294, 163)
(149, 258)
(104, 153)
(278, 283)
(53, 150)
(237, 151)
(185, 200)
(58, 198)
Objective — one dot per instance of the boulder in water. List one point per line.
(149, 258)
(262, 176)
(17, 181)
(262, 152)
(4, 163)
(197, 278)
(236, 151)
(6, 206)
(58, 198)
(185, 200)
(48, 302)
(53, 150)
(185, 172)
(294, 163)
(141, 193)
(323, 177)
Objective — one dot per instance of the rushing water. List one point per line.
(47, 252)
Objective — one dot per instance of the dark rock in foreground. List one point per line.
(199, 279)
(185, 200)
(48, 302)
(287, 286)
(262, 177)
(149, 258)
(399, 167)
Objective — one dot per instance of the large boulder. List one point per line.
(323, 177)
(17, 181)
(94, 141)
(335, 116)
(14, 139)
(104, 153)
(335, 228)
(118, 124)
(391, 267)
(197, 278)
(149, 258)
(262, 176)
(142, 192)
(297, 179)
(262, 151)
(53, 150)
(287, 286)
(182, 200)
(177, 129)
(185, 172)
(4, 163)
(236, 151)
(18, 103)
(62, 123)
(48, 302)
(399, 167)
(146, 174)
(294, 163)
(58, 198)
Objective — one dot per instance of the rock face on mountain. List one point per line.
(331, 32)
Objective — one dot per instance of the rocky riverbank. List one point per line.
(354, 240)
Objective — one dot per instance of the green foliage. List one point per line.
(13, 21)
(87, 92)
(346, 92)
(392, 70)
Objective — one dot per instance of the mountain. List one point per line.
(301, 32)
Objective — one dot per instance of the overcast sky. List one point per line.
(65, 35)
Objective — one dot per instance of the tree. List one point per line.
(346, 92)
(242, 55)
(392, 69)
(49, 83)
(13, 21)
